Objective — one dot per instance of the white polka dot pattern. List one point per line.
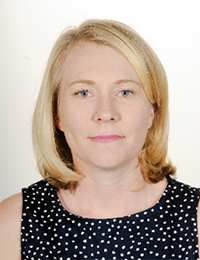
(168, 230)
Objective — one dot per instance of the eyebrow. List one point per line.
(118, 82)
(87, 82)
(121, 81)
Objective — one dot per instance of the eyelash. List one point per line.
(86, 90)
(78, 92)
(127, 90)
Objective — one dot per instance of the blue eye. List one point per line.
(126, 93)
(82, 93)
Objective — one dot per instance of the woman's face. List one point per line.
(103, 110)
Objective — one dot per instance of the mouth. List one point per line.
(106, 138)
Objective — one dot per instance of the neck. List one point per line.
(107, 194)
(110, 185)
(111, 193)
(108, 199)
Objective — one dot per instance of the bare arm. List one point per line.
(10, 227)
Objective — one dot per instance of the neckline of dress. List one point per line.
(134, 215)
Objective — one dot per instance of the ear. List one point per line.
(151, 117)
(59, 125)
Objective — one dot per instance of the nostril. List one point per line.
(99, 119)
(112, 119)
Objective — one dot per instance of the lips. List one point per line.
(106, 138)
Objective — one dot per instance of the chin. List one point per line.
(109, 164)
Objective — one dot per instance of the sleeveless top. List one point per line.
(167, 230)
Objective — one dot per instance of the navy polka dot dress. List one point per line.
(166, 231)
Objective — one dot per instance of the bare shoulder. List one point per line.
(10, 227)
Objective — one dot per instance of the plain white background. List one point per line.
(29, 28)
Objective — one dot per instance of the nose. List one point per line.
(105, 110)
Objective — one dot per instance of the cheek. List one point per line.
(141, 118)
(145, 114)
(66, 113)
(72, 121)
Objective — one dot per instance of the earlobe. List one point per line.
(59, 125)
(151, 118)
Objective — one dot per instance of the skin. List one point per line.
(100, 95)
(10, 227)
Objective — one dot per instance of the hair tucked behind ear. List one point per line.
(53, 154)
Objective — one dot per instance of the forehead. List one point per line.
(91, 57)
(91, 50)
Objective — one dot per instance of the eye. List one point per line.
(126, 93)
(82, 93)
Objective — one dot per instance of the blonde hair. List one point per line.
(53, 154)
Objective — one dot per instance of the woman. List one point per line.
(100, 133)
